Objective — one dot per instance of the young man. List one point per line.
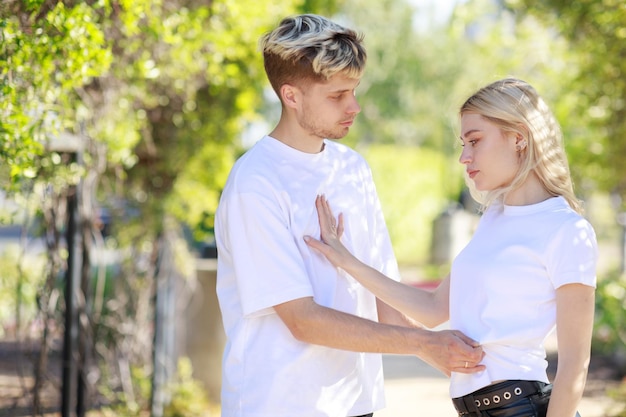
(296, 326)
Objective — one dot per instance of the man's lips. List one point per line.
(347, 123)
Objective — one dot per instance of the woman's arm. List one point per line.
(574, 325)
(427, 307)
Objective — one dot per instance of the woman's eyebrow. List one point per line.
(469, 132)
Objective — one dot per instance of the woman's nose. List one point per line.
(465, 156)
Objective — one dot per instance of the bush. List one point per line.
(19, 282)
(610, 330)
(610, 320)
(187, 397)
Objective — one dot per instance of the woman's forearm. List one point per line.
(567, 391)
(575, 312)
(427, 307)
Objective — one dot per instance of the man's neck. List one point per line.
(297, 139)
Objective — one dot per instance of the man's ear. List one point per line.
(290, 95)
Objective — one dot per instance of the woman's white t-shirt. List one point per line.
(267, 207)
(503, 286)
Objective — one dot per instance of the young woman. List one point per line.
(530, 266)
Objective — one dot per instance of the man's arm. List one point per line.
(447, 350)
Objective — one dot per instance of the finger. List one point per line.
(328, 224)
(329, 210)
(470, 369)
(322, 214)
(314, 243)
(333, 222)
(340, 226)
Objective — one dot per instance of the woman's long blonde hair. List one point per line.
(516, 107)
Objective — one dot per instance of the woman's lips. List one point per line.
(472, 173)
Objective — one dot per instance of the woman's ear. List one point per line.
(520, 138)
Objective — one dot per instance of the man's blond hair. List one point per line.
(311, 48)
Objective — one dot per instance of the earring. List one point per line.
(521, 145)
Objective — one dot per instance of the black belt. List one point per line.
(497, 395)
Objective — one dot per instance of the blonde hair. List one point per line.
(311, 48)
(516, 108)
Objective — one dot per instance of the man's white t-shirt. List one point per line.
(267, 207)
(503, 286)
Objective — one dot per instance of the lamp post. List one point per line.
(73, 384)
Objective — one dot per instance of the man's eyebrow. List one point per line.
(344, 90)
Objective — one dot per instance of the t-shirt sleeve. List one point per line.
(268, 266)
(574, 254)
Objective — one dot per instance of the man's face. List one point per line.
(328, 109)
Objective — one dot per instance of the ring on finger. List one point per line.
(466, 364)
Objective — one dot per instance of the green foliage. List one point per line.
(44, 56)
(610, 321)
(121, 404)
(609, 336)
(405, 91)
(188, 396)
(19, 282)
(414, 185)
(619, 396)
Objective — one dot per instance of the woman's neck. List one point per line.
(531, 192)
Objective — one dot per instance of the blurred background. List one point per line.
(119, 123)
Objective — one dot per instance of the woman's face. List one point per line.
(490, 157)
